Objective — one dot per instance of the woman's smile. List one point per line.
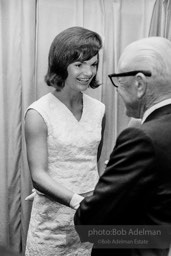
(84, 80)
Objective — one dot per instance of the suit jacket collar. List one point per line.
(165, 110)
(154, 108)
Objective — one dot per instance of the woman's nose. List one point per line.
(88, 71)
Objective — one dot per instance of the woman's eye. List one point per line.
(94, 64)
(78, 65)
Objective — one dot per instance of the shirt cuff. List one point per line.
(75, 201)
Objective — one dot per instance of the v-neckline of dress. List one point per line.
(68, 110)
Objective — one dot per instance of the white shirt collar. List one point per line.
(154, 107)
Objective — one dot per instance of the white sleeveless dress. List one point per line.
(72, 161)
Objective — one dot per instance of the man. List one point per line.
(135, 188)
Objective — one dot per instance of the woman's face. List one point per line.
(80, 74)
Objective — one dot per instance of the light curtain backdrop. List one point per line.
(27, 28)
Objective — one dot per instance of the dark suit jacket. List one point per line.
(135, 188)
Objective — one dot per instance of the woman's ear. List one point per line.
(141, 85)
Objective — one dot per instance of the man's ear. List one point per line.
(141, 85)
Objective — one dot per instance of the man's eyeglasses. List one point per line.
(114, 77)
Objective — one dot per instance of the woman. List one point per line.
(63, 132)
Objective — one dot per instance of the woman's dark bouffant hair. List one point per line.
(71, 45)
